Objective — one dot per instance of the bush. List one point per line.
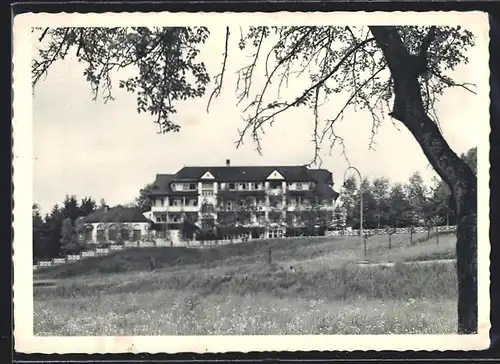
(72, 249)
(256, 232)
(206, 235)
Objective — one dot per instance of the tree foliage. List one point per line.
(60, 231)
(143, 201)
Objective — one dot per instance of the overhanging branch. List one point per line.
(219, 79)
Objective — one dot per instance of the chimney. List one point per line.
(106, 208)
(228, 162)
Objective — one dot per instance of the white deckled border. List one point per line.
(26, 342)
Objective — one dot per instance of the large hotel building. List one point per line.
(269, 197)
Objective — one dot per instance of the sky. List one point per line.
(107, 150)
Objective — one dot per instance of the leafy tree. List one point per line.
(80, 230)
(441, 196)
(188, 227)
(390, 231)
(398, 205)
(207, 218)
(471, 159)
(369, 206)
(40, 246)
(143, 202)
(416, 193)
(68, 241)
(53, 228)
(380, 193)
(87, 205)
(350, 201)
(339, 218)
(70, 208)
(376, 66)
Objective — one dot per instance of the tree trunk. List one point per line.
(408, 108)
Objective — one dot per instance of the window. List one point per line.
(125, 233)
(207, 224)
(299, 185)
(88, 233)
(231, 186)
(275, 185)
(162, 202)
(243, 186)
(112, 233)
(192, 186)
(161, 218)
(208, 208)
(207, 193)
(175, 218)
(185, 186)
(194, 202)
(137, 233)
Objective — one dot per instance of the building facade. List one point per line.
(109, 225)
(271, 198)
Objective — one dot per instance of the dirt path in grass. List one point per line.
(414, 262)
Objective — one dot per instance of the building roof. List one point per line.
(161, 185)
(243, 173)
(322, 177)
(116, 214)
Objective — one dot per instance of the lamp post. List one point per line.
(360, 203)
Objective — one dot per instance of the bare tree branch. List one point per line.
(219, 79)
(258, 120)
(247, 72)
(448, 81)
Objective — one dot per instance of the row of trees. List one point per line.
(401, 205)
(56, 233)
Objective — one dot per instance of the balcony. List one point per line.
(159, 208)
(183, 208)
(274, 208)
(274, 191)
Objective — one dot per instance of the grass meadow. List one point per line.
(310, 287)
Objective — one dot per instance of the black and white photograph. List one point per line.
(251, 182)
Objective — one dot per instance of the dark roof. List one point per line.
(116, 214)
(161, 186)
(244, 173)
(321, 175)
